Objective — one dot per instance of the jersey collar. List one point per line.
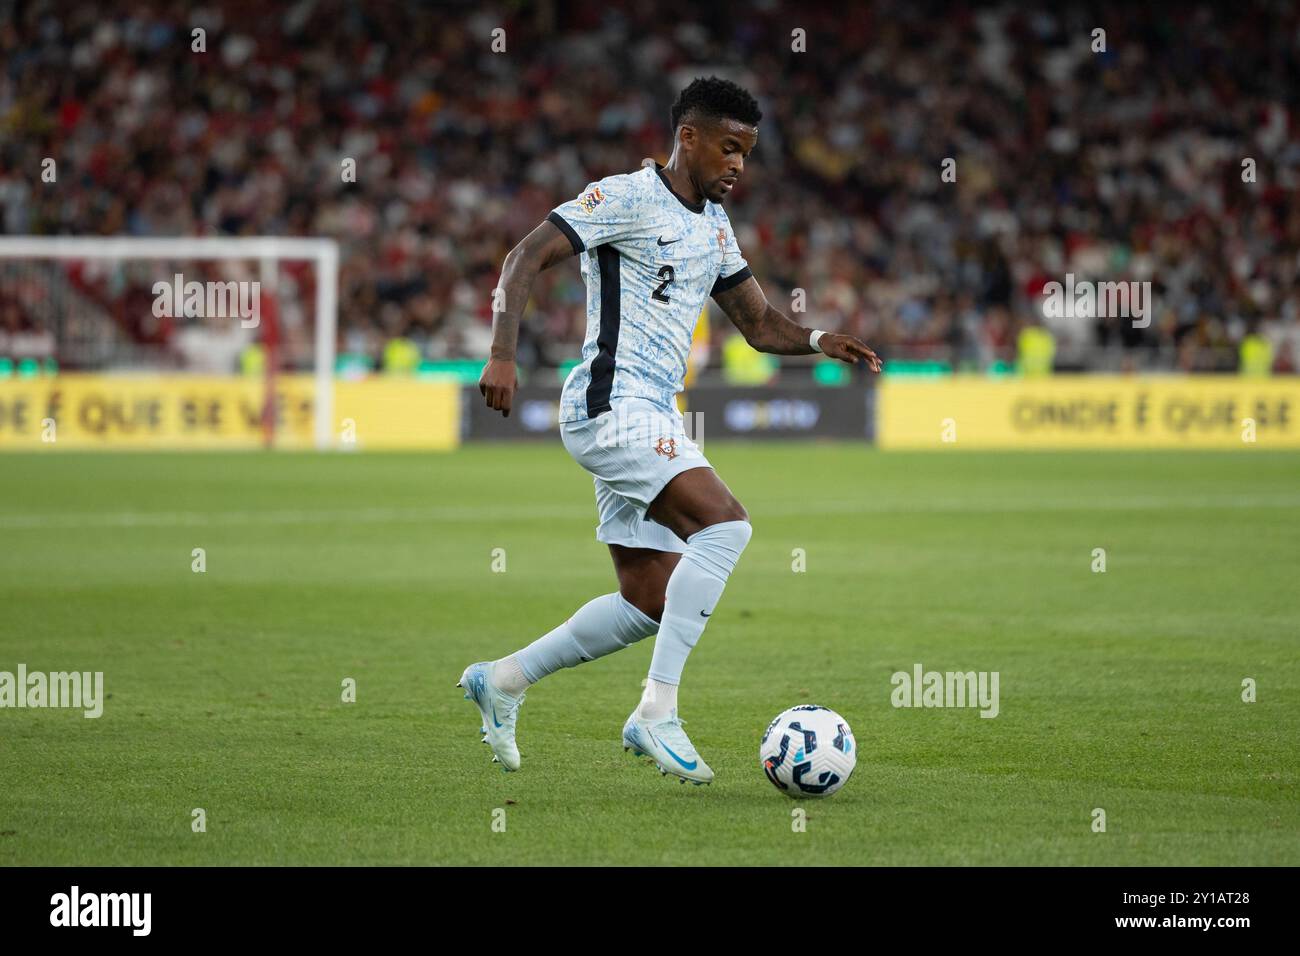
(693, 207)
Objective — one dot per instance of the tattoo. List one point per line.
(515, 285)
(540, 249)
(766, 328)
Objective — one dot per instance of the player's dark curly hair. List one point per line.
(717, 99)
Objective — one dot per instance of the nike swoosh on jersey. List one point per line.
(661, 242)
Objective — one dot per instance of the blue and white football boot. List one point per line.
(667, 743)
(499, 711)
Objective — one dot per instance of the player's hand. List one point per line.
(498, 383)
(848, 349)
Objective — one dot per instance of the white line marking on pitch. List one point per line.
(170, 519)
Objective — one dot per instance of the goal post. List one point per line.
(265, 252)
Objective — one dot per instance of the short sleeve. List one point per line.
(734, 269)
(605, 211)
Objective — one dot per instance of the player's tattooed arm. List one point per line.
(768, 329)
(539, 250)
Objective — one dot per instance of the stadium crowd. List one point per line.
(1171, 156)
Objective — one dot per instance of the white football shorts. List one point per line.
(632, 451)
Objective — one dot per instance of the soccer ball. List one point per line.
(808, 751)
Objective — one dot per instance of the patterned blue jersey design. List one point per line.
(649, 260)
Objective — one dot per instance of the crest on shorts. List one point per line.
(666, 447)
(722, 238)
(591, 200)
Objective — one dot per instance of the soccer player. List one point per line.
(653, 245)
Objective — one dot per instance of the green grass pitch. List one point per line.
(1120, 690)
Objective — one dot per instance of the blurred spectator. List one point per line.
(1118, 165)
(1035, 351)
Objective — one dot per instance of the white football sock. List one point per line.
(602, 626)
(693, 591)
(658, 701)
(509, 676)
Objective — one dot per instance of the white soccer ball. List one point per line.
(808, 751)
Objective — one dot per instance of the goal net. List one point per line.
(254, 317)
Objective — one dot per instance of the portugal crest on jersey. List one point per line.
(722, 238)
(591, 200)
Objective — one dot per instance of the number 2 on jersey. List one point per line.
(665, 273)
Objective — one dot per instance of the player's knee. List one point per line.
(648, 601)
(731, 533)
(737, 512)
(653, 609)
(743, 530)
(730, 512)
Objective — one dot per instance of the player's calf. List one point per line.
(692, 595)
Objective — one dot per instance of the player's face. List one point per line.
(719, 158)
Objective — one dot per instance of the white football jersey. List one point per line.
(650, 260)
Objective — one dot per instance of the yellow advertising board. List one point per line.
(179, 412)
(398, 413)
(1089, 412)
